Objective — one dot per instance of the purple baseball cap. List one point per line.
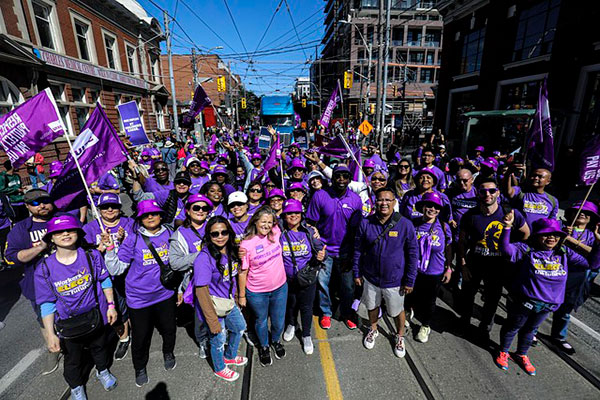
(292, 206)
(275, 192)
(211, 151)
(480, 148)
(62, 223)
(340, 168)
(108, 198)
(297, 163)
(204, 165)
(148, 206)
(191, 146)
(429, 198)
(545, 226)
(490, 162)
(256, 156)
(55, 169)
(195, 198)
(296, 186)
(219, 169)
(369, 163)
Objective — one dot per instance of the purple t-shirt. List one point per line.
(142, 284)
(193, 241)
(334, 216)
(152, 186)
(534, 205)
(302, 251)
(161, 198)
(21, 237)
(206, 273)
(239, 228)
(253, 208)
(409, 201)
(73, 283)
(92, 231)
(197, 183)
(441, 237)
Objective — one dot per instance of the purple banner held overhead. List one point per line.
(130, 116)
(98, 149)
(272, 159)
(333, 100)
(540, 147)
(590, 161)
(199, 102)
(28, 128)
(335, 148)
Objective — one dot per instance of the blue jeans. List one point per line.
(269, 304)
(342, 280)
(35, 178)
(525, 322)
(576, 281)
(236, 325)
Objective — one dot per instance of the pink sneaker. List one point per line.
(227, 374)
(325, 322)
(238, 360)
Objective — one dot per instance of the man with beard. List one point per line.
(24, 249)
(336, 212)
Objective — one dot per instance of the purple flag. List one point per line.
(130, 115)
(28, 128)
(272, 159)
(590, 161)
(352, 165)
(98, 149)
(540, 146)
(335, 148)
(333, 100)
(297, 119)
(213, 141)
(199, 102)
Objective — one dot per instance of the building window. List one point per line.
(472, 51)
(160, 118)
(43, 22)
(83, 38)
(112, 51)
(58, 91)
(416, 57)
(155, 67)
(66, 118)
(78, 95)
(82, 116)
(535, 34)
(132, 59)
(517, 96)
(426, 75)
(10, 97)
(397, 36)
(414, 37)
(429, 58)
(95, 96)
(433, 39)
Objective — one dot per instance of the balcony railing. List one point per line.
(396, 42)
(414, 43)
(432, 44)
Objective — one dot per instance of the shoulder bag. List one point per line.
(78, 325)
(169, 278)
(222, 305)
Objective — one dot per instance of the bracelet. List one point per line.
(111, 247)
(111, 303)
(111, 306)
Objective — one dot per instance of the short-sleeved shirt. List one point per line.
(440, 238)
(219, 284)
(300, 245)
(535, 206)
(264, 262)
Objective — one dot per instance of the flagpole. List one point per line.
(353, 157)
(582, 204)
(342, 101)
(87, 189)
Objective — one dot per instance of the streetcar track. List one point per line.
(247, 377)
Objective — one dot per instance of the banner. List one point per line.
(272, 159)
(301, 138)
(199, 102)
(264, 138)
(98, 149)
(540, 146)
(333, 100)
(130, 116)
(590, 161)
(335, 148)
(28, 128)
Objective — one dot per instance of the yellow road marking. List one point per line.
(334, 392)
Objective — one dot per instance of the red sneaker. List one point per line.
(325, 322)
(227, 374)
(350, 324)
(526, 364)
(502, 360)
(238, 361)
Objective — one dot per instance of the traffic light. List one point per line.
(243, 103)
(221, 87)
(348, 79)
(371, 108)
(303, 103)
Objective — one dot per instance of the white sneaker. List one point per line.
(399, 349)
(423, 335)
(369, 340)
(288, 335)
(307, 345)
(202, 353)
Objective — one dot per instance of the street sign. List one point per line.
(312, 102)
(365, 127)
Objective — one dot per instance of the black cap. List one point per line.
(183, 176)
(35, 194)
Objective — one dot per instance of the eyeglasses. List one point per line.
(161, 170)
(36, 203)
(255, 190)
(110, 207)
(404, 166)
(216, 234)
(464, 180)
(484, 191)
(233, 205)
(378, 179)
(197, 208)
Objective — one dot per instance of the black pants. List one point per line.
(75, 360)
(3, 235)
(493, 274)
(143, 320)
(300, 300)
(423, 297)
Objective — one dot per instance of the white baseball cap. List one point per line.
(237, 197)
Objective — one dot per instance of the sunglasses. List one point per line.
(484, 191)
(197, 208)
(269, 186)
(182, 183)
(67, 231)
(233, 205)
(161, 169)
(379, 179)
(110, 206)
(36, 203)
(278, 199)
(194, 165)
(463, 180)
(151, 214)
(255, 190)
(343, 175)
(404, 166)
(216, 234)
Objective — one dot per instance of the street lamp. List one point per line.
(369, 48)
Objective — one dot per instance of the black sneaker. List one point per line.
(170, 362)
(141, 378)
(122, 349)
(264, 356)
(564, 346)
(279, 350)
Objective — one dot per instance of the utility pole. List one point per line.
(171, 77)
(386, 52)
(230, 94)
(194, 68)
(369, 80)
(379, 64)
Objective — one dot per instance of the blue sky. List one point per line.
(269, 73)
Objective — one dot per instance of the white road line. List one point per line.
(586, 328)
(18, 369)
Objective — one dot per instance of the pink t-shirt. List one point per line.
(264, 262)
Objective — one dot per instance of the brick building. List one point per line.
(85, 51)
(209, 68)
